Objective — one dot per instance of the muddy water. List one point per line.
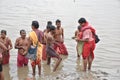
(104, 15)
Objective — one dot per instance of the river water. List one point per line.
(104, 15)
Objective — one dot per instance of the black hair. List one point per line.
(58, 21)
(22, 31)
(48, 26)
(4, 31)
(82, 20)
(52, 28)
(49, 23)
(35, 24)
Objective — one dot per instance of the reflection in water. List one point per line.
(49, 68)
(79, 65)
(6, 69)
(22, 72)
(46, 69)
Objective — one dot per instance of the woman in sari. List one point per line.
(89, 43)
(35, 38)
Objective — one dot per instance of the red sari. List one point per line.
(88, 48)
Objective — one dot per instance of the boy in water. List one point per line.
(50, 50)
(59, 37)
(21, 44)
(7, 42)
(78, 34)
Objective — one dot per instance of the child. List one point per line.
(78, 35)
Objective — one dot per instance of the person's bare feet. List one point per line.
(78, 55)
(89, 69)
(33, 74)
(39, 73)
(83, 70)
(48, 61)
(29, 79)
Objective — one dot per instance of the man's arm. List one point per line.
(17, 44)
(63, 34)
(27, 46)
(83, 40)
(75, 35)
(3, 46)
(10, 43)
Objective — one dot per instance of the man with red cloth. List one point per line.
(59, 38)
(89, 43)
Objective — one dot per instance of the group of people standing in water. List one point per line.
(49, 44)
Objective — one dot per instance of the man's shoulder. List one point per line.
(8, 39)
(61, 28)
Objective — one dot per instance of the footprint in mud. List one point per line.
(57, 77)
(104, 79)
(78, 78)
(101, 74)
(104, 73)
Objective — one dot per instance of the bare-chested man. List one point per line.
(3, 49)
(50, 50)
(21, 44)
(7, 42)
(59, 37)
(46, 31)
